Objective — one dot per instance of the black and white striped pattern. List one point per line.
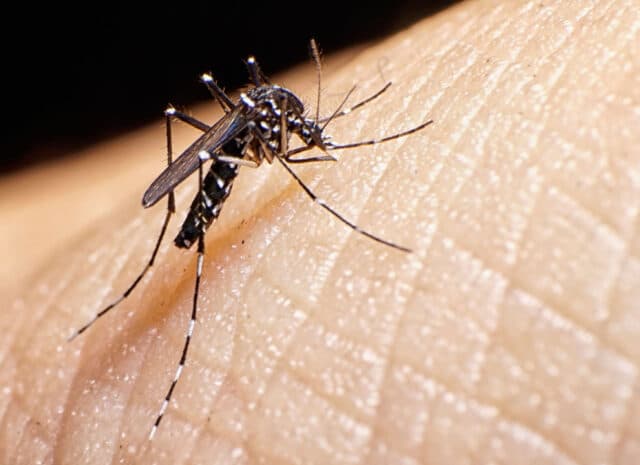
(255, 129)
(188, 336)
(208, 202)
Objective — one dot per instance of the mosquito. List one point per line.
(254, 129)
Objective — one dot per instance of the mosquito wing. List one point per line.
(224, 130)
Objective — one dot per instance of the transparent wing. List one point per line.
(224, 130)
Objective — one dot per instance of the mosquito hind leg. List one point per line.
(171, 208)
(192, 323)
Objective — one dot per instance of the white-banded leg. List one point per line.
(282, 159)
(192, 324)
(332, 146)
(288, 156)
(324, 205)
(337, 111)
(171, 208)
(340, 113)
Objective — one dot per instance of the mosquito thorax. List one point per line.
(265, 104)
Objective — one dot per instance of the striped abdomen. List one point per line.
(207, 205)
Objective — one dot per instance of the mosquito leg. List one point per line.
(324, 205)
(190, 120)
(289, 154)
(192, 324)
(284, 136)
(236, 161)
(310, 159)
(332, 146)
(257, 76)
(284, 142)
(216, 91)
(356, 106)
(171, 208)
(293, 152)
(338, 109)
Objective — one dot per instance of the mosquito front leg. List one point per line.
(284, 137)
(310, 159)
(338, 114)
(332, 146)
(324, 205)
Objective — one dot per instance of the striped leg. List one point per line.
(283, 158)
(192, 324)
(340, 112)
(324, 205)
(171, 208)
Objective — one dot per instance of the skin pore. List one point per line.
(511, 334)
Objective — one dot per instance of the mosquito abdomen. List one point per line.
(207, 205)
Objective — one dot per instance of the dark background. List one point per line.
(74, 75)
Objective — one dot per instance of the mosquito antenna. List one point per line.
(315, 53)
(257, 76)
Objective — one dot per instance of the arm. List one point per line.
(510, 334)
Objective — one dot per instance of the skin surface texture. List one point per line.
(511, 334)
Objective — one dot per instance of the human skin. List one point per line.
(511, 333)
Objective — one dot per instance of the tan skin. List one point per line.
(511, 334)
